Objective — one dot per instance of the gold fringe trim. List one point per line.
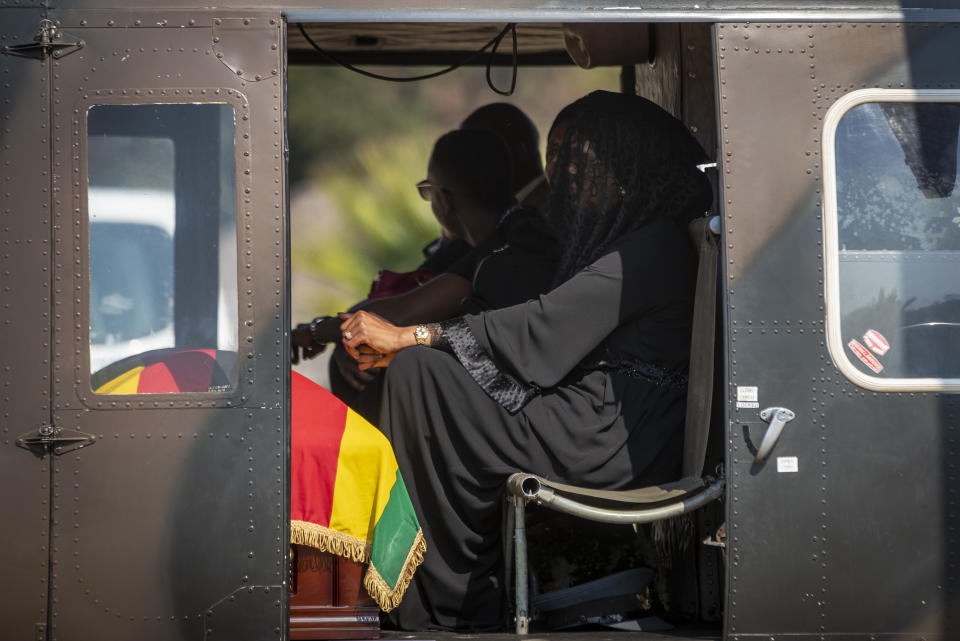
(350, 547)
(388, 597)
(327, 540)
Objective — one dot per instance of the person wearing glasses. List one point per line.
(529, 187)
(513, 256)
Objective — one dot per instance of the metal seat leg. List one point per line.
(520, 552)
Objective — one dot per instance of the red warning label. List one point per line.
(865, 356)
(876, 342)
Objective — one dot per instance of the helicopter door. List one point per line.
(841, 200)
(25, 341)
(163, 385)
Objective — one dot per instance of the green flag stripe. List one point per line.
(394, 534)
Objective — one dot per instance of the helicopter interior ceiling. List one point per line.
(426, 43)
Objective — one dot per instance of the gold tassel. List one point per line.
(327, 540)
(388, 597)
(349, 547)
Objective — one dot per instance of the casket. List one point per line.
(327, 597)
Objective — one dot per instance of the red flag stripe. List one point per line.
(318, 419)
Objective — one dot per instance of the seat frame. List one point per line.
(645, 505)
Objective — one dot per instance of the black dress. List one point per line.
(514, 264)
(585, 385)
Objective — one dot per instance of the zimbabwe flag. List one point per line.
(167, 370)
(346, 494)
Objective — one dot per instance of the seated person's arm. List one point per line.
(433, 301)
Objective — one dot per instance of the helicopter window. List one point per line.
(892, 234)
(161, 203)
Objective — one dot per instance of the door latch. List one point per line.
(55, 440)
(777, 417)
(49, 41)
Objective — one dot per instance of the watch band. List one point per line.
(421, 334)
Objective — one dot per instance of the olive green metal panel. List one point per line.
(174, 524)
(851, 534)
(24, 328)
(558, 10)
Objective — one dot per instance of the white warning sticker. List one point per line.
(747, 394)
(787, 464)
(747, 397)
(865, 356)
(876, 342)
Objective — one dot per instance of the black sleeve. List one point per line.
(515, 351)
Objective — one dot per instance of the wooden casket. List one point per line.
(327, 597)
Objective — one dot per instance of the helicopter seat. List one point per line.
(647, 504)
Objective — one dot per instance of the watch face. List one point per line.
(421, 333)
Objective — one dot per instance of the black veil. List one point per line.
(622, 162)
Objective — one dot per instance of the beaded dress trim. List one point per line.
(456, 337)
(640, 370)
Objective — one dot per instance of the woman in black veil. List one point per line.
(584, 385)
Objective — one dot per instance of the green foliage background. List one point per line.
(359, 145)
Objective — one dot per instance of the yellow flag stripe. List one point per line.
(362, 488)
(126, 383)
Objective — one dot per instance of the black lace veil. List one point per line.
(622, 162)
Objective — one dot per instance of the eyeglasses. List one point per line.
(424, 187)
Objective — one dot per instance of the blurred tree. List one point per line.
(331, 111)
(384, 222)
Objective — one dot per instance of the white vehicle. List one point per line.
(131, 283)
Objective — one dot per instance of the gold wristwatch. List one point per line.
(421, 334)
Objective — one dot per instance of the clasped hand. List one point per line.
(302, 344)
(371, 339)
